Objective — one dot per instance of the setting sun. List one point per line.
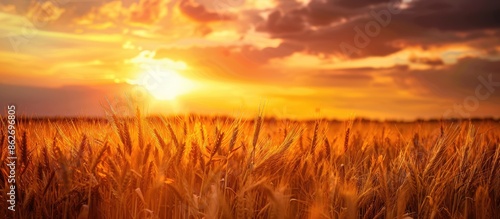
(165, 84)
(162, 78)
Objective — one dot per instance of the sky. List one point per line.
(381, 59)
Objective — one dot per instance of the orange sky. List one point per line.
(381, 59)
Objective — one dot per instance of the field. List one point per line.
(218, 167)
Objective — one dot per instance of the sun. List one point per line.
(162, 78)
(168, 85)
(165, 84)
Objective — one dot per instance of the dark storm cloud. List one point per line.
(325, 12)
(321, 13)
(461, 15)
(327, 40)
(355, 3)
(278, 23)
(321, 26)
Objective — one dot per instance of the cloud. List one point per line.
(355, 3)
(148, 11)
(322, 26)
(452, 81)
(321, 13)
(432, 61)
(277, 23)
(460, 15)
(199, 13)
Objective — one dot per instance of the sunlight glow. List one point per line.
(166, 84)
(161, 77)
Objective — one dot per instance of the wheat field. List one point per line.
(222, 167)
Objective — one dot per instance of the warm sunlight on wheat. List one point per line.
(221, 167)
